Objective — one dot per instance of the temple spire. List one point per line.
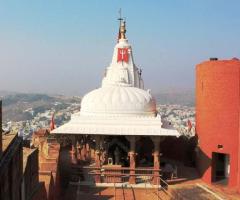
(122, 26)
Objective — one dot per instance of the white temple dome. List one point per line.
(122, 92)
(118, 100)
(121, 106)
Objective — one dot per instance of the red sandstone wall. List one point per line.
(217, 114)
(31, 179)
(11, 171)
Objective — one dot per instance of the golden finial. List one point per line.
(122, 28)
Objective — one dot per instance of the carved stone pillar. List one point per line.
(74, 150)
(78, 151)
(132, 159)
(156, 160)
(97, 160)
(98, 166)
(87, 151)
(84, 150)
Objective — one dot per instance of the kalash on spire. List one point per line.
(122, 69)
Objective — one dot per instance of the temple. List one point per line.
(118, 125)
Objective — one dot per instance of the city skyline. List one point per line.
(57, 47)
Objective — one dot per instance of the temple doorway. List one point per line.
(220, 168)
(117, 151)
(144, 149)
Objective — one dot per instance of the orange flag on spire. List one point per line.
(189, 124)
(52, 123)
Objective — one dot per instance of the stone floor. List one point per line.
(89, 193)
(193, 192)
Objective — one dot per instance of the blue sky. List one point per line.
(64, 46)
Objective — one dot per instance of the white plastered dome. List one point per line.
(118, 100)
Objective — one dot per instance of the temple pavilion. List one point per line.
(119, 119)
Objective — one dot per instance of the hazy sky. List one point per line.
(63, 46)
